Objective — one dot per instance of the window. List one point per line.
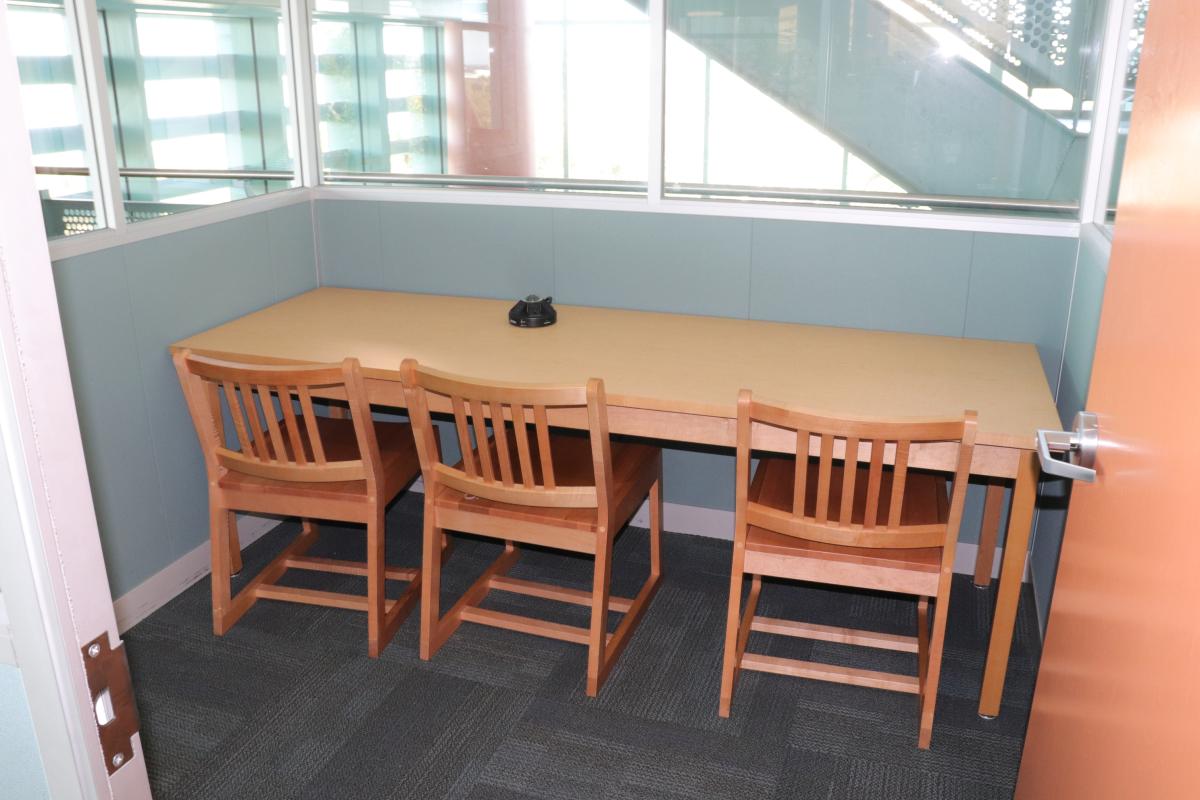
(1137, 34)
(977, 103)
(55, 113)
(200, 102)
(547, 94)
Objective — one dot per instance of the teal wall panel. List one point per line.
(860, 276)
(293, 257)
(907, 279)
(21, 769)
(179, 285)
(1020, 290)
(106, 376)
(699, 477)
(1087, 299)
(349, 243)
(482, 251)
(653, 262)
(121, 308)
(1091, 274)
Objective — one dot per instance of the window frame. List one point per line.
(310, 184)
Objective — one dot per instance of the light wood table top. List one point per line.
(656, 361)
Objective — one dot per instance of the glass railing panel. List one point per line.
(895, 97)
(200, 102)
(547, 95)
(55, 111)
(1137, 35)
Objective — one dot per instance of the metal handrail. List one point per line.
(552, 184)
(490, 181)
(196, 174)
(874, 198)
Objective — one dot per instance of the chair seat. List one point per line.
(634, 467)
(926, 501)
(397, 454)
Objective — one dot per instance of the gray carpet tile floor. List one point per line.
(288, 705)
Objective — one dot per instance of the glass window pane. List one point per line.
(1137, 34)
(937, 99)
(199, 100)
(54, 109)
(527, 93)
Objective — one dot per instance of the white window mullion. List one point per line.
(84, 25)
(1106, 114)
(658, 58)
(297, 20)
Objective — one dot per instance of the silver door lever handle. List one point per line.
(1083, 440)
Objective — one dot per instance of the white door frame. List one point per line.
(51, 565)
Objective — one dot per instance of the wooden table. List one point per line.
(676, 378)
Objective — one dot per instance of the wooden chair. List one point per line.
(292, 462)
(865, 525)
(563, 491)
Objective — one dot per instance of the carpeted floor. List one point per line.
(287, 705)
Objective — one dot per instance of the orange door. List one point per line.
(1116, 712)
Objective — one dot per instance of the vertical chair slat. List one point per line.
(212, 391)
(874, 479)
(543, 438)
(254, 425)
(521, 432)
(481, 439)
(464, 436)
(500, 429)
(801, 484)
(310, 423)
(239, 421)
(268, 407)
(898, 479)
(849, 473)
(824, 478)
(289, 422)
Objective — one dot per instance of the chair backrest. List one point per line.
(507, 466)
(813, 514)
(276, 427)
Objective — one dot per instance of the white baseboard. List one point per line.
(159, 589)
(163, 586)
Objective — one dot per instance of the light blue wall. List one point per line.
(1086, 300)
(121, 308)
(22, 776)
(952, 283)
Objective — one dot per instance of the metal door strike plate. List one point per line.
(108, 671)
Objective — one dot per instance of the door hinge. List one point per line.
(112, 699)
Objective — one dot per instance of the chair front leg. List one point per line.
(656, 523)
(598, 636)
(220, 520)
(235, 546)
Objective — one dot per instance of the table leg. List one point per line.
(1016, 545)
(993, 505)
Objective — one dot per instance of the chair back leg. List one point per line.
(730, 662)
(933, 670)
(375, 583)
(431, 586)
